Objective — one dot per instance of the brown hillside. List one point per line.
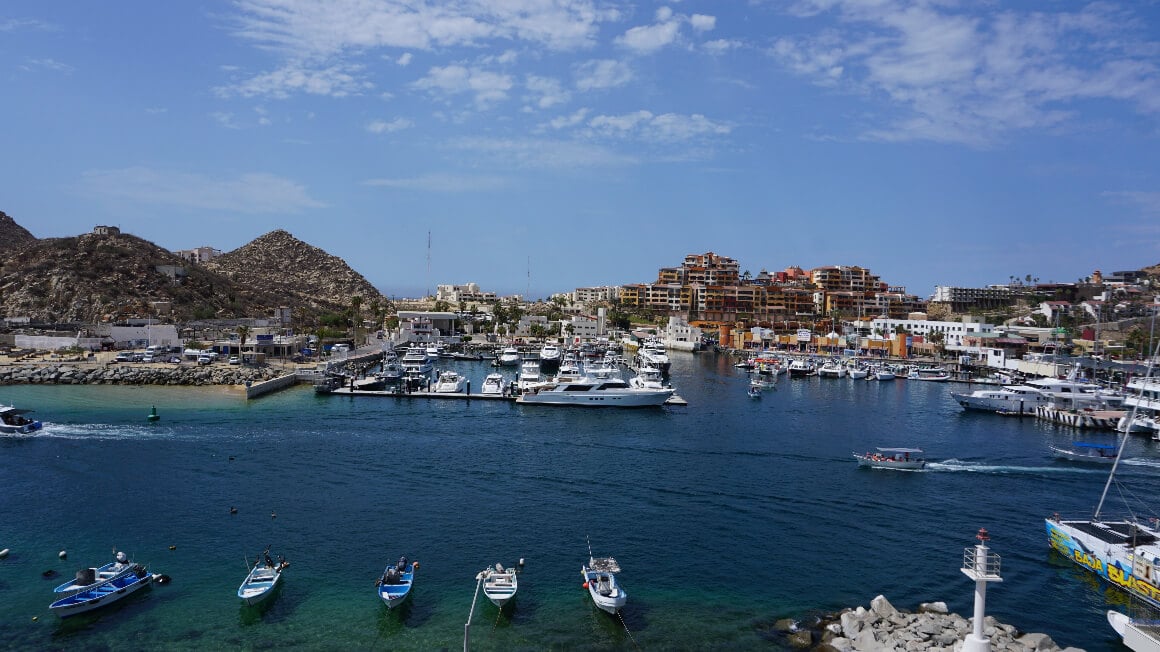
(300, 275)
(13, 237)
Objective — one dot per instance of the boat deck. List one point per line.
(1117, 533)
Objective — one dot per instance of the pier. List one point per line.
(401, 393)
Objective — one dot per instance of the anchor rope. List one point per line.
(626, 630)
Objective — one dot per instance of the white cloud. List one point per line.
(601, 73)
(571, 120)
(547, 91)
(488, 87)
(721, 46)
(703, 23)
(404, 59)
(962, 74)
(664, 128)
(18, 24)
(338, 80)
(650, 38)
(1147, 202)
(312, 29)
(47, 64)
(249, 193)
(443, 183)
(384, 127)
(225, 119)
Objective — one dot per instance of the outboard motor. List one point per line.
(121, 557)
(86, 576)
(402, 565)
(392, 576)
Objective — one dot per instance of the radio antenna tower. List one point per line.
(528, 292)
(428, 263)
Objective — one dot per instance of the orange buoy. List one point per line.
(585, 585)
(415, 564)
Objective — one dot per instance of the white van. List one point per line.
(205, 358)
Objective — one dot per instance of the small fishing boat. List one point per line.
(600, 579)
(13, 421)
(908, 459)
(754, 391)
(395, 584)
(1087, 452)
(499, 584)
(262, 579)
(98, 587)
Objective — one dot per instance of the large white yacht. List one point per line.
(530, 377)
(415, 360)
(508, 357)
(549, 355)
(652, 353)
(1013, 399)
(594, 392)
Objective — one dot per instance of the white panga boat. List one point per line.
(13, 421)
(1086, 452)
(499, 584)
(593, 392)
(394, 586)
(492, 384)
(508, 357)
(450, 382)
(262, 579)
(600, 579)
(909, 459)
(99, 587)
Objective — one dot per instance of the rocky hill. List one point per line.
(13, 237)
(299, 273)
(94, 278)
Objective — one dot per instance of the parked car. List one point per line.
(124, 357)
(234, 360)
(204, 359)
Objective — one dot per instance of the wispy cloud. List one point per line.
(964, 74)
(225, 119)
(650, 38)
(1148, 202)
(385, 127)
(248, 193)
(721, 46)
(443, 183)
(339, 80)
(487, 86)
(570, 120)
(542, 153)
(546, 92)
(601, 73)
(20, 24)
(664, 128)
(47, 64)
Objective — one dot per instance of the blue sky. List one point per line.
(591, 142)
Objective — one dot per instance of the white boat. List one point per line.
(569, 368)
(648, 378)
(606, 367)
(754, 391)
(433, 351)
(450, 382)
(652, 353)
(530, 377)
(394, 585)
(392, 370)
(858, 372)
(13, 421)
(594, 392)
(508, 357)
(932, 374)
(1125, 552)
(1008, 399)
(1086, 452)
(1137, 635)
(262, 579)
(99, 587)
(492, 384)
(499, 584)
(907, 459)
(801, 368)
(416, 362)
(549, 355)
(881, 373)
(600, 579)
(832, 369)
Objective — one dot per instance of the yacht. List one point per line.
(530, 377)
(653, 354)
(832, 369)
(508, 357)
(392, 368)
(416, 362)
(492, 384)
(595, 392)
(549, 355)
(1008, 399)
(450, 382)
(800, 368)
(648, 378)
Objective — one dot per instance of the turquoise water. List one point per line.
(725, 515)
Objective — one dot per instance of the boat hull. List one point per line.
(259, 585)
(611, 603)
(1110, 560)
(633, 398)
(102, 595)
(22, 429)
(916, 465)
(394, 595)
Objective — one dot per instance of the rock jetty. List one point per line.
(883, 628)
(120, 374)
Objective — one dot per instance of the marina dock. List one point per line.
(399, 393)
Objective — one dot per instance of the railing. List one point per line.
(981, 566)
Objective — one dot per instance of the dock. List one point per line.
(400, 393)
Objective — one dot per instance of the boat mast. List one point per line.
(1124, 436)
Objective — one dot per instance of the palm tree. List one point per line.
(243, 335)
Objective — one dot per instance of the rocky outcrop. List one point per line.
(302, 274)
(883, 627)
(13, 237)
(123, 374)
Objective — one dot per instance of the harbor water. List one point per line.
(726, 514)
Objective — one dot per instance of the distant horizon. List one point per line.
(933, 143)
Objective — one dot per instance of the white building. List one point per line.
(604, 293)
(953, 331)
(465, 292)
(199, 255)
(585, 327)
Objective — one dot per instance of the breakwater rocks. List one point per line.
(122, 374)
(883, 628)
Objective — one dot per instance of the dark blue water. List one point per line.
(725, 515)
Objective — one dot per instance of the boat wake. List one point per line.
(97, 431)
(954, 465)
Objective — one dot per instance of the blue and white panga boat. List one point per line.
(909, 459)
(395, 584)
(98, 587)
(13, 421)
(262, 579)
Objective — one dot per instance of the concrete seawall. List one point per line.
(254, 390)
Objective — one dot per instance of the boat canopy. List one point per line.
(899, 450)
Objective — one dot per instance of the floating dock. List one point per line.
(399, 393)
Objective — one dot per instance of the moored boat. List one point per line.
(549, 355)
(394, 586)
(600, 579)
(450, 382)
(906, 459)
(508, 357)
(499, 584)
(492, 384)
(99, 587)
(262, 579)
(593, 392)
